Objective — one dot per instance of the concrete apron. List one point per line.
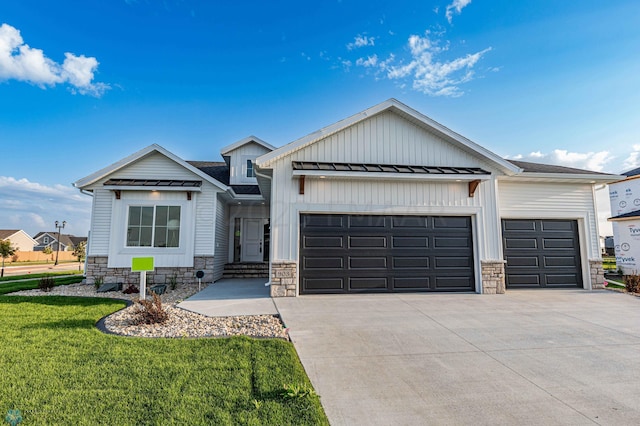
(232, 297)
(526, 357)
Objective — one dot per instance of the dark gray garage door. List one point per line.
(541, 253)
(363, 253)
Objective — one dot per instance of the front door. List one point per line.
(252, 235)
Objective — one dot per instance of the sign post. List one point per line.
(142, 265)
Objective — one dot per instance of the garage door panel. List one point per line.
(410, 262)
(386, 254)
(521, 243)
(323, 221)
(523, 261)
(452, 262)
(561, 280)
(368, 262)
(368, 242)
(541, 253)
(519, 225)
(557, 225)
(372, 283)
(323, 242)
(415, 283)
(558, 243)
(453, 283)
(450, 222)
(323, 285)
(409, 222)
(401, 242)
(559, 261)
(323, 263)
(367, 221)
(449, 242)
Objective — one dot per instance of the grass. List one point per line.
(57, 368)
(44, 274)
(33, 283)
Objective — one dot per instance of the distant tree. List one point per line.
(5, 251)
(80, 251)
(48, 251)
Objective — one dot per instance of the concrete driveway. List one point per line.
(539, 357)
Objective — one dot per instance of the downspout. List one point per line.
(256, 169)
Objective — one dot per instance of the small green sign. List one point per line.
(139, 264)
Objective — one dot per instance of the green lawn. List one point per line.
(32, 284)
(45, 274)
(57, 368)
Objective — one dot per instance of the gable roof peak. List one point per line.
(249, 139)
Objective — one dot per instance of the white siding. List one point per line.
(100, 222)
(238, 163)
(108, 220)
(222, 239)
(552, 200)
(387, 139)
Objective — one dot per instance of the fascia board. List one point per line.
(563, 177)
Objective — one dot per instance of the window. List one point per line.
(46, 240)
(157, 226)
(251, 173)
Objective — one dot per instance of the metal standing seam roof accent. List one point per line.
(386, 168)
(155, 183)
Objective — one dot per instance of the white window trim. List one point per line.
(153, 227)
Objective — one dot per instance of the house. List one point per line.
(387, 200)
(624, 197)
(20, 240)
(50, 239)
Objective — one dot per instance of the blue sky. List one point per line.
(85, 83)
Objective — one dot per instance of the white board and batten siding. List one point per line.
(368, 142)
(109, 218)
(238, 163)
(221, 239)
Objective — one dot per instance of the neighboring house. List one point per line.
(50, 239)
(387, 200)
(20, 240)
(624, 197)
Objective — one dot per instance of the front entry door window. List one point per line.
(252, 240)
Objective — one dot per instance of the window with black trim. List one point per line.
(157, 226)
(250, 170)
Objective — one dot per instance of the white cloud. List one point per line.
(19, 61)
(361, 41)
(633, 160)
(429, 74)
(371, 61)
(35, 207)
(595, 161)
(456, 6)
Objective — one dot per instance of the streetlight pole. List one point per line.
(59, 226)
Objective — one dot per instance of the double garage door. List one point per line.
(365, 253)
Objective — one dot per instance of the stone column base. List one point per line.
(597, 274)
(284, 279)
(493, 276)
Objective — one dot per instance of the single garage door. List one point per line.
(541, 253)
(365, 253)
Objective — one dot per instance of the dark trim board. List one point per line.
(541, 253)
(385, 253)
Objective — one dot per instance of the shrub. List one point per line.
(98, 281)
(173, 281)
(131, 289)
(46, 284)
(150, 311)
(632, 283)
